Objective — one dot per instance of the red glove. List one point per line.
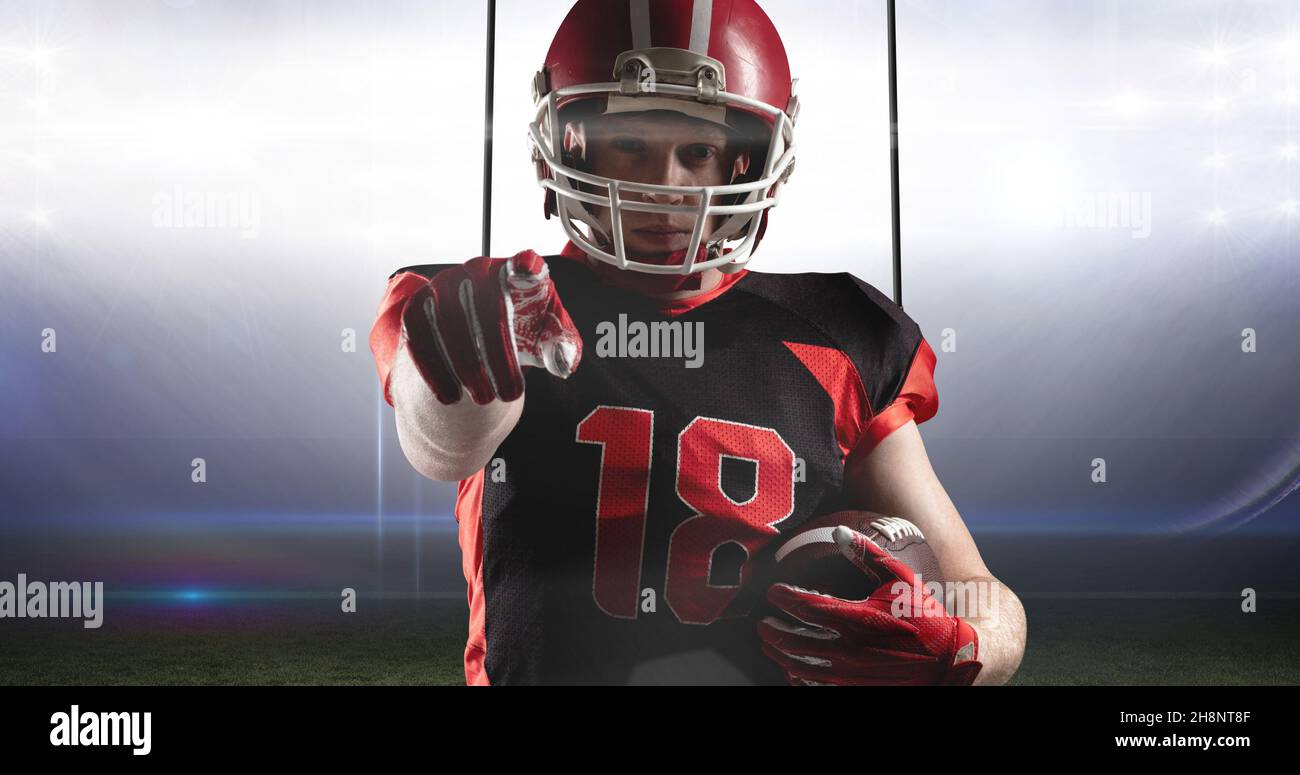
(473, 327)
(862, 642)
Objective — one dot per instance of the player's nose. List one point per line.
(667, 199)
(669, 172)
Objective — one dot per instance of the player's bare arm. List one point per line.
(446, 442)
(896, 478)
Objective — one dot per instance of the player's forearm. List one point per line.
(446, 442)
(1001, 633)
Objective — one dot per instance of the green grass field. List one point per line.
(402, 642)
(292, 642)
(1160, 642)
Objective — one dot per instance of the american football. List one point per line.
(811, 559)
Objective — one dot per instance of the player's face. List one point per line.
(666, 148)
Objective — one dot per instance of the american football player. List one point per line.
(617, 512)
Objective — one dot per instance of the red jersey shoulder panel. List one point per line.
(871, 358)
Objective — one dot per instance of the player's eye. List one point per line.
(699, 153)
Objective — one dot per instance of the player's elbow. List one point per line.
(437, 464)
(446, 471)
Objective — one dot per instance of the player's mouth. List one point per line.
(664, 237)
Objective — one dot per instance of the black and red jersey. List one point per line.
(624, 529)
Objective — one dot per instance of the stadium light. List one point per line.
(1217, 56)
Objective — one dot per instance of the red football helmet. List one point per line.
(720, 60)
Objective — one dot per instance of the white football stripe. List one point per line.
(821, 535)
(701, 26)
